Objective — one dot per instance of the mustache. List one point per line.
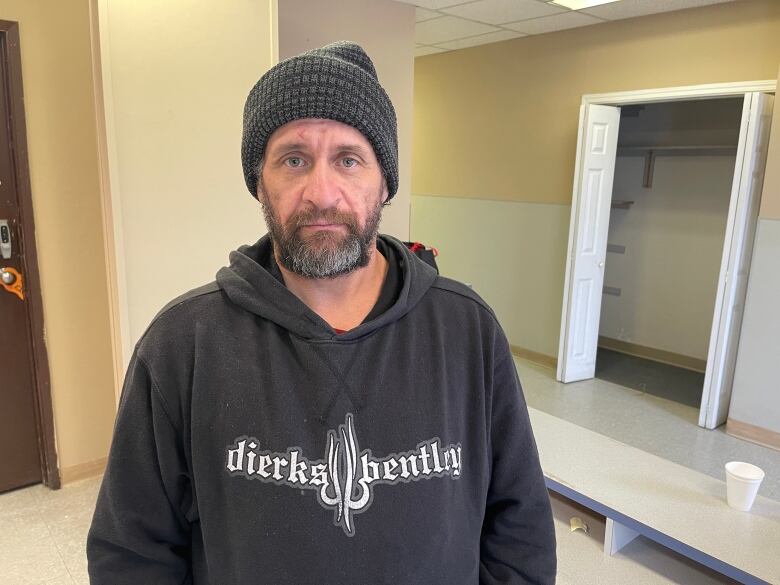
(308, 216)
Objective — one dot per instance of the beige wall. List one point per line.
(385, 29)
(179, 73)
(61, 135)
(770, 197)
(499, 121)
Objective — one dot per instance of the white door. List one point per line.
(735, 264)
(588, 230)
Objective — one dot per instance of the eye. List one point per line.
(349, 162)
(294, 162)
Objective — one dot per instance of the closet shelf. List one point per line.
(688, 150)
(649, 153)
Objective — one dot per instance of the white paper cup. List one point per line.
(742, 482)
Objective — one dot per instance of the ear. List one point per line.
(385, 191)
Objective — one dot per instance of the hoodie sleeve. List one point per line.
(139, 532)
(518, 536)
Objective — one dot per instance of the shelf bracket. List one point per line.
(617, 536)
(649, 168)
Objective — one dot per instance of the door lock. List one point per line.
(7, 276)
(12, 281)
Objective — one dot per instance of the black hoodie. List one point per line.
(255, 445)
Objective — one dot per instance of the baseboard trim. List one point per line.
(533, 356)
(83, 470)
(651, 353)
(752, 433)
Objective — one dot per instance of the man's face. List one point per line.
(321, 188)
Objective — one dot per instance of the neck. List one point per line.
(344, 301)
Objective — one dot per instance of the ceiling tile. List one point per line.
(501, 11)
(632, 8)
(552, 23)
(421, 50)
(449, 28)
(432, 4)
(422, 14)
(494, 37)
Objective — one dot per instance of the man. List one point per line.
(329, 411)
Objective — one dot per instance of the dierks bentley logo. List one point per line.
(345, 477)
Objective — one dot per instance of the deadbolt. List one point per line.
(5, 239)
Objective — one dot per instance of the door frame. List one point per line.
(10, 51)
(626, 98)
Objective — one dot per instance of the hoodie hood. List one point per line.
(251, 287)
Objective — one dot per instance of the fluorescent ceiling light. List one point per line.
(580, 4)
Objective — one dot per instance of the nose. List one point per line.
(323, 189)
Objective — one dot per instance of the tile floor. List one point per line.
(43, 532)
(662, 380)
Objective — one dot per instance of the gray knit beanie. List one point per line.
(337, 82)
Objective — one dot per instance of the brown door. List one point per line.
(23, 436)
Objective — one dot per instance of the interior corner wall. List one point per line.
(770, 196)
(755, 398)
(385, 29)
(495, 131)
(180, 73)
(64, 175)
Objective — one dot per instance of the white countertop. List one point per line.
(679, 502)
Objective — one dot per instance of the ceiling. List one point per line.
(447, 25)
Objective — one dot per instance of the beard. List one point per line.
(324, 253)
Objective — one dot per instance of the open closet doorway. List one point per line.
(677, 232)
(670, 200)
